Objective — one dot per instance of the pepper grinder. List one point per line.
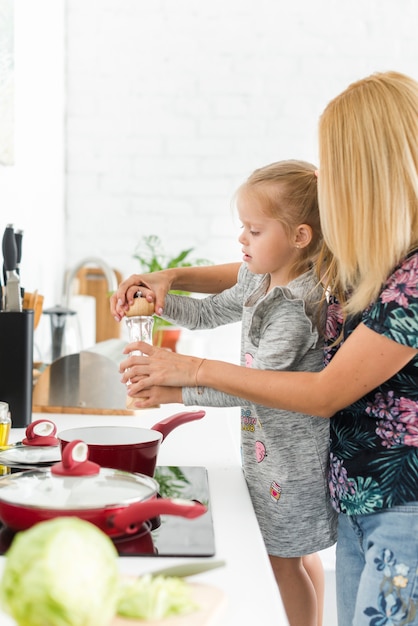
(139, 322)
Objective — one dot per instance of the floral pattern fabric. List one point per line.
(374, 442)
(394, 604)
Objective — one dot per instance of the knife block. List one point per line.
(16, 364)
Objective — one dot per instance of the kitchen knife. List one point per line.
(186, 569)
(18, 239)
(13, 301)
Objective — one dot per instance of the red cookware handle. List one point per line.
(169, 423)
(130, 519)
(75, 461)
(41, 433)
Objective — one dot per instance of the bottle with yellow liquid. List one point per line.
(5, 425)
(140, 322)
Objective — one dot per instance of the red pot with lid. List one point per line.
(117, 502)
(127, 448)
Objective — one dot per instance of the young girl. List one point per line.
(368, 199)
(277, 297)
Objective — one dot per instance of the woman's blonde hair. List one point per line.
(289, 192)
(368, 183)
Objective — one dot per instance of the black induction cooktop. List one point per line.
(167, 535)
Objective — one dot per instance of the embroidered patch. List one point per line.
(275, 491)
(392, 607)
(260, 451)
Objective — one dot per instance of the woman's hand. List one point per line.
(153, 287)
(159, 367)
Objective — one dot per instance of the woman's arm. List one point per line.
(365, 360)
(155, 286)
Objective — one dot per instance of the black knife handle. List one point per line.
(18, 238)
(9, 248)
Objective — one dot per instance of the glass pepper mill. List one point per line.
(139, 322)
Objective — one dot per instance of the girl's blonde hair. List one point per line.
(368, 183)
(289, 192)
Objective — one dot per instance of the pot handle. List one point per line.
(75, 461)
(41, 433)
(130, 519)
(168, 424)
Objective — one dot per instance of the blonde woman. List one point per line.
(368, 201)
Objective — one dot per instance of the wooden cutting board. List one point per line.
(209, 599)
(92, 282)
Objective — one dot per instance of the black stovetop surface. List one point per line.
(167, 535)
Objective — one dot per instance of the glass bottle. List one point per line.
(140, 329)
(5, 423)
(139, 322)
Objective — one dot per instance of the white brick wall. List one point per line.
(172, 103)
(169, 105)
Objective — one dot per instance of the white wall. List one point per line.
(172, 103)
(166, 107)
(32, 190)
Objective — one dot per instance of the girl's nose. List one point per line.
(242, 238)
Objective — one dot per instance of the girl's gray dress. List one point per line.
(285, 455)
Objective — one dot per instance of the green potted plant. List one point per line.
(152, 258)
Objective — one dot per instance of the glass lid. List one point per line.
(20, 455)
(43, 489)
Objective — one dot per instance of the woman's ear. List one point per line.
(303, 236)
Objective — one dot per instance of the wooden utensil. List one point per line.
(35, 302)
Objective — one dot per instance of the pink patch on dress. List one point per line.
(275, 491)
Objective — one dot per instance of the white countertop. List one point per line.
(247, 579)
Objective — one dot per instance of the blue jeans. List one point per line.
(376, 564)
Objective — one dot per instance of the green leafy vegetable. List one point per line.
(155, 598)
(62, 572)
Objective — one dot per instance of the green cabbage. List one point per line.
(155, 598)
(62, 572)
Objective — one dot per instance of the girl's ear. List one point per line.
(303, 236)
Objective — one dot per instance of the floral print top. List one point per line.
(374, 442)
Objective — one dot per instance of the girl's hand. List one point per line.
(159, 367)
(153, 287)
(155, 396)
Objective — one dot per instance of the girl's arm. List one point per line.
(187, 396)
(155, 286)
(365, 360)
